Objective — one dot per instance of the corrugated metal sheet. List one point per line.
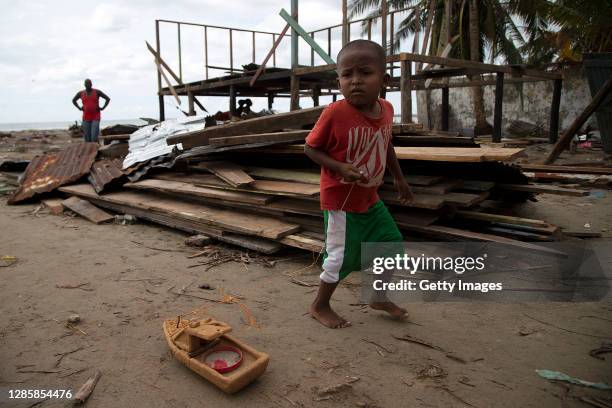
(47, 172)
(598, 69)
(106, 173)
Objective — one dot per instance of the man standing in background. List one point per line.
(91, 110)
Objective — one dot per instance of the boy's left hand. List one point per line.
(405, 193)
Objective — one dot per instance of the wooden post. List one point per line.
(180, 59)
(231, 50)
(566, 137)
(253, 47)
(270, 100)
(206, 49)
(329, 42)
(345, 28)
(162, 108)
(334, 97)
(295, 92)
(274, 52)
(232, 99)
(383, 26)
(190, 103)
(294, 36)
(391, 35)
(406, 91)
(316, 92)
(444, 124)
(499, 99)
(554, 111)
(370, 29)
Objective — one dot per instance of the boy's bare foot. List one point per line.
(327, 317)
(394, 310)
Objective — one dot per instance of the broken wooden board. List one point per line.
(87, 210)
(566, 169)
(301, 176)
(230, 220)
(258, 186)
(542, 189)
(303, 242)
(262, 245)
(292, 136)
(264, 124)
(229, 172)
(54, 205)
(417, 180)
(178, 187)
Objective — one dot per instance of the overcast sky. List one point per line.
(47, 49)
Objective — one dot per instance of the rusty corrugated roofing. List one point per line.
(104, 172)
(47, 172)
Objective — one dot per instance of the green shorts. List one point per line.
(344, 233)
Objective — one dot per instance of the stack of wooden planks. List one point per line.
(249, 183)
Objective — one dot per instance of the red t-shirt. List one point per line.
(91, 108)
(347, 135)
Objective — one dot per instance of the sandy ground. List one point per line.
(128, 290)
(128, 293)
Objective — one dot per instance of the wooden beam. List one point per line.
(262, 124)
(544, 189)
(565, 139)
(481, 66)
(172, 74)
(295, 92)
(554, 111)
(406, 92)
(345, 34)
(163, 74)
(270, 53)
(316, 92)
(190, 104)
(566, 169)
(383, 25)
(295, 136)
(232, 99)
(298, 29)
(499, 100)
(445, 109)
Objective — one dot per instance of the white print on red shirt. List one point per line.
(367, 150)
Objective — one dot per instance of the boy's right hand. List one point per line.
(351, 173)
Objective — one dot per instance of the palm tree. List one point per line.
(478, 27)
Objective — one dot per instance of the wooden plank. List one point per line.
(264, 246)
(477, 185)
(442, 187)
(54, 205)
(475, 215)
(229, 172)
(309, 40)
(465, 200)
(258, 186)
(427, 201)
(497, 111)
(440, 231)
(458, 154)
(303, 242)
(295, 136)
(542, 189)
(566, 169)
(417, 180)
(447, 154)
(87, 210)
(460, 63)
(183, 188)
(301, 176)
(234, 221)
(415, 217)
(264, 124)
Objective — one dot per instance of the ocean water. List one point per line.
(7, 127)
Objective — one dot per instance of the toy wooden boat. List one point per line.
(195, 342)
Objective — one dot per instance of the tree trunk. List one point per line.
(481, 127)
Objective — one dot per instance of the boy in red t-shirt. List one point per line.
(351, 142)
